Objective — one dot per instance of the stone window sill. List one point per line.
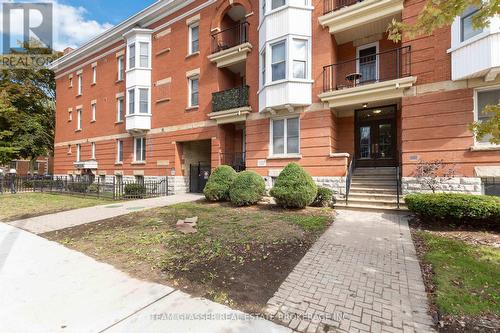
(193, 54)
(192, 108)
(118, 122)
(284, 157)
(78, 130)
(485, 148)
(139, 163)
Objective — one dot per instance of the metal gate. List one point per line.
(198, 177)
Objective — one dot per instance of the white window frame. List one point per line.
(131, 55)
(94, 74)
(71, 82)
(285, 132)
(284, 41)
(70, 114)
(190, 92)
(78, 152)
(306, 60)
(263, 69)
(93, 108)
(148, 55)
(80, 85)
(121, 68)
(79, 116)
(120, 105)
(190, 37)
(92, 150)
(131, 102)
(285, 2)
(138, 92)
(377, 51)
(119, 151)
(143, 158)
(476, 114)
(461, 20)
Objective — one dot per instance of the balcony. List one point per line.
(230, 106)
(230, 47)
(354, 19)
(371, 78)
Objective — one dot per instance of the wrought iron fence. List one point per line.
(333, 5)
(230, 37)
(113, 188)
(230, 99)
(373, 68)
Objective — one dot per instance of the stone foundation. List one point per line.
(469, 185)
(336, 184)
(178, 184)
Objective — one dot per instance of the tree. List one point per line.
(439, 13)
(432, 173)
(27, 109)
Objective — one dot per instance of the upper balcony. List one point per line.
(372, 77)
(354, 19)
(230, 46)
(230, 106)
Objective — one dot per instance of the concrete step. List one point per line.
(373, 183)
(373, 190)
(373, 196)
(375, 177)
(374, 202)
(374, 171)
(371, 207)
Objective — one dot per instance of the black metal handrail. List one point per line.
(230, 99)
(398, 178)
(333, 5)
(348, 181)
(383, 66)
(230, 37)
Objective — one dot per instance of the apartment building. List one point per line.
(185, 86)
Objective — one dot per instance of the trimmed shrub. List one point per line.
(323, 198)
(294, 187)
(247, 189)
(78, 187)
(93, 188)
(456, 208)
(135, 190)
(217, 187)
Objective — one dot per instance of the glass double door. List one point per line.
(376, 137)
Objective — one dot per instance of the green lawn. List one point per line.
(239, 256)
(467, 277)
(25, 205)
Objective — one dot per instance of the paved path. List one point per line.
(45, 287)
(71, 218)
(362, 275)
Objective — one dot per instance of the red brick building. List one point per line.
(185, 86)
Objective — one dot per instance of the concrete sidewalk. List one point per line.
(45, 287)
(71, 218)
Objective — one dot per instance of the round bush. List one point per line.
(135, 190)
(247, 189)
(294, 187)
(217, 187)
(456, 208)
(323, 198)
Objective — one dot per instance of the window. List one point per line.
(70, 114)
(79, 91)
(131, 56)
(131, 101)
(263, 68)
(193, 91)
(194, 43)
(277, 3)
(263, 6)
(93, 108)
(485, 98)
(93, 150)
(119, 151)
(491, 186)
(140, 150)
(300, 59)
(278, 63)
(119, 110)
(143, 101)
(78, 119)
(102, 179)
(144, 54)
(139, 180)
(94, 75)
(467, 29)
(121, 72)
(71, 82)
(78, 152)
(285, 136)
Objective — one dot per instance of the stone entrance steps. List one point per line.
(373, 189)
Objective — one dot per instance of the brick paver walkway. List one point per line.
(362, 275)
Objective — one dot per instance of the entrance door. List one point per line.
(198, 174)
(376, 137)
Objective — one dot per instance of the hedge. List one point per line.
(294, 187)
(135, 190)
(217, 187)
(324, 197)
(456, 208)
(247, 189)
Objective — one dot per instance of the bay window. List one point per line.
(467, 28)
(144, 55)
(299, 54)
(143, 101)
(278, 63)
(131, 101)
(131, 56)
(277, 3)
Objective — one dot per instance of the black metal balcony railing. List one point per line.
(230, 99)
(230, 37)
(333, 5)
(373, 68)
(236, 160)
